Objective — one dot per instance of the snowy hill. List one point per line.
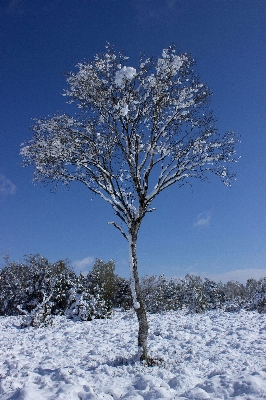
(215, 355)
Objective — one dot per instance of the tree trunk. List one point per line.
(136, 295)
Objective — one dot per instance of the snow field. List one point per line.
(215, 355)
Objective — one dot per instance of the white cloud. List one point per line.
(239, 275)
(6, 186)
(83, 265)
(203, 219)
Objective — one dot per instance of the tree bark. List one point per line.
(137, 298)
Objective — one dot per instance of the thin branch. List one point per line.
(119, 228)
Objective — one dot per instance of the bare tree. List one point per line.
(138, 131)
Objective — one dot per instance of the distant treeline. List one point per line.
(39, 290)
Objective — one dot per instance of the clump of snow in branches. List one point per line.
(125, 73)
(170, 61)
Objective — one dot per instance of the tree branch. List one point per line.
(119, 228)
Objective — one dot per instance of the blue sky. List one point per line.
(207, 228)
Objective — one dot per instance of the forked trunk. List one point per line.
(137, 299)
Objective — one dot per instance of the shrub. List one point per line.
(122, 294)
(35, 288)
(101, 281)
(160, 294)
(258, 302)
(83, 305)
(38, 290)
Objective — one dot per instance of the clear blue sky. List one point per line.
(206, 229)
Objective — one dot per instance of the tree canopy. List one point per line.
(138, 131)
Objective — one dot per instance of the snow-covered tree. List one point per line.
(139, 130)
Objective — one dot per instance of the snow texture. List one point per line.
(215, 355)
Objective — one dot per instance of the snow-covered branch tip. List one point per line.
(119, 228)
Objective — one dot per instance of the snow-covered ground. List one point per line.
(216, 355)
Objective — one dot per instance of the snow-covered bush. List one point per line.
(51, 280)
(214, 294)
(199, 296)
(41, 315)
(235, 294)
(234, 290)
(13, 280)
(174, 294)
(35, 288)
(38, 290)
(193, 294)
(103, 283)
(251, 288)
(122, 295)
(258, 302)
(148, 285)
(83, 305)
(160, 294)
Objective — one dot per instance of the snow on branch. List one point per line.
(119, 228)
